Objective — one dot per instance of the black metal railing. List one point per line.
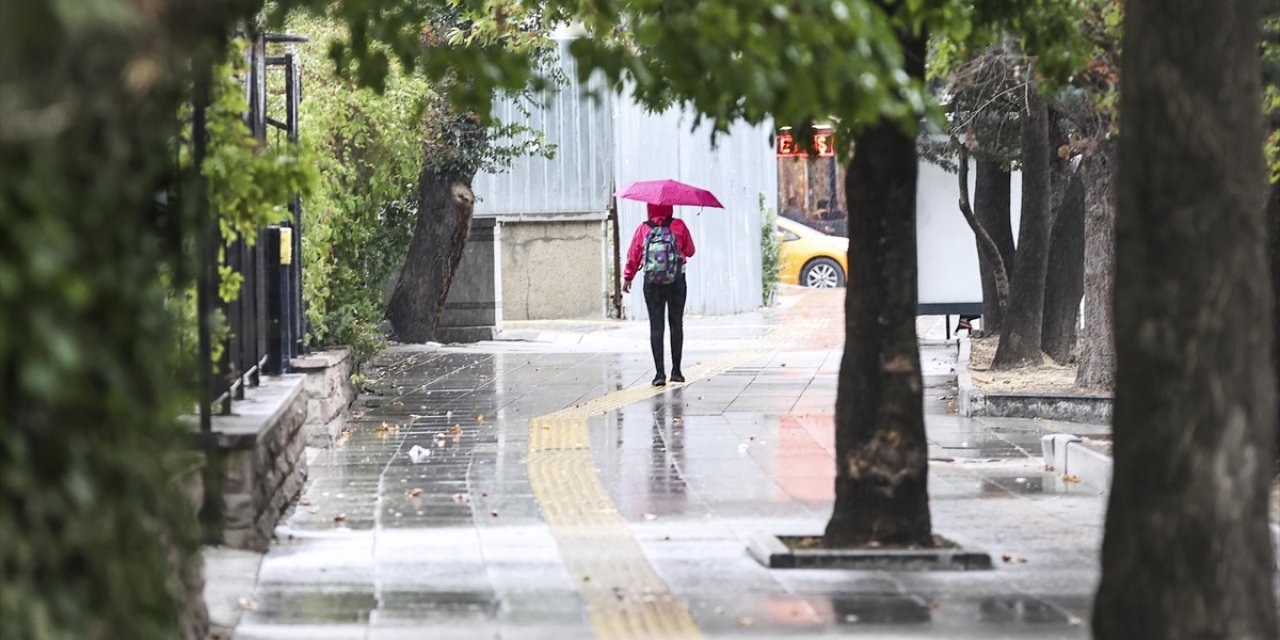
(266, 322)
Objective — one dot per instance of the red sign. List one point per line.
(823, 144)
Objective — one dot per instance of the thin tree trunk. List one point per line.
(881, 452)
(988, 250)
(1187, 551)
(1064, 279)
(991, 198)
(1020, 336)
(1097, 368)
(446, 204)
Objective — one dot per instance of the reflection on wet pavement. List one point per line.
(424, 522)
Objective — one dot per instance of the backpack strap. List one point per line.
(651, 224)
(667, 222)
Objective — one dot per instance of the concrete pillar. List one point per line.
(474, 309)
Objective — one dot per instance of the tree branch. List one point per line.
(988, 245)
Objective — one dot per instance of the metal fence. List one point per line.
(266, 321)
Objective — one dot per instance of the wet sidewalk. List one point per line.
(540, 489)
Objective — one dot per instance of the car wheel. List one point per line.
(822, 273)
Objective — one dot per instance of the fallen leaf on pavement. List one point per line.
(341, 517)
(249, 603)
(1071, 478)
(461, 498)
(414, 492)
(304, 501)
(455, 430)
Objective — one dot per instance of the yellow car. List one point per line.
(811, 258)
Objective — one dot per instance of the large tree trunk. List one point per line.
(881, 452)
(1064, 279)
(1020, 336)
(1273, 216)
(1187, 552)
(445, 206)
(992, 200)
(1097, 368)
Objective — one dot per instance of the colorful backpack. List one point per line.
(662, 261)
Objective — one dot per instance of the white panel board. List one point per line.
(947, 250)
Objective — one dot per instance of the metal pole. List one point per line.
(293, 94)
(617, 259)
(204, 239)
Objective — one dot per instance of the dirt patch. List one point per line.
(1047, 378)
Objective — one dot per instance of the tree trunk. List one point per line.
(881, 452)
(1187, 552)
(991, 199)
(1020, 335)
(1064, 279)
(1273, 214)
(1097, 368)
(988, 250)
(445, 205)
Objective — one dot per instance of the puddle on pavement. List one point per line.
(915, 609)
(1021, 484)
(332, 607)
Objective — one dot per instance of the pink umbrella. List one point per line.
(669, 192)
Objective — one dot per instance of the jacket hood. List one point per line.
(660, 212)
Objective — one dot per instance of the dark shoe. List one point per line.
(659, 380)
(676, 376)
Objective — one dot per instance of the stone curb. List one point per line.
(773, 553)
(1068, 456)
(967, 395)
(1067, 407)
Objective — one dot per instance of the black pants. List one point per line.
(670, 297)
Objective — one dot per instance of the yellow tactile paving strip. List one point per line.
(624, 596)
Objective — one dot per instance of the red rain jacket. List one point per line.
(657, 213)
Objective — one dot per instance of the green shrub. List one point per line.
(770, 252)
(91, 522)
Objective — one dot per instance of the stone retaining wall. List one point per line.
(329, 393)
(262, 452)
(1069, 407)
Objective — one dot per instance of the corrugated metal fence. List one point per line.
(602, 146)
(724, 275)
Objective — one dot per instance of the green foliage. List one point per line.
(370, 144)
(763, 53)
(764, 56)
(770, 252)
(250, 183)
(368, 148)
(96, 535)
(480, 47)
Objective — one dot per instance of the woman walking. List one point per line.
(662, 244)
